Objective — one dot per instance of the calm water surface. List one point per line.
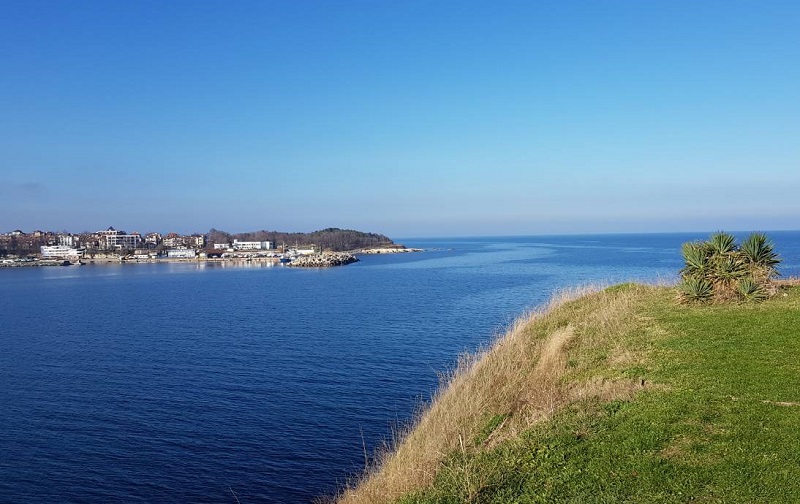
(189, 383)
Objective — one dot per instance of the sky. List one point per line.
(408, 118)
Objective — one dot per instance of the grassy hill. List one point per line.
(620, 395)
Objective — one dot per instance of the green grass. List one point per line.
(719, 421)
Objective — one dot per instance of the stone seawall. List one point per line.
(37, 263)
(400, 249)
(324, 260)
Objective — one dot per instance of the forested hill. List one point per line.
(329, 239)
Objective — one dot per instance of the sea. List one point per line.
(231, 383)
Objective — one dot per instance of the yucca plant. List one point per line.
(759, 254)
(750, 290)
(696, 256)
(695, 290)
(728, 267)
(721, 243)
(719, 270)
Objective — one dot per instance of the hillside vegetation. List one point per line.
(333, 239)
(619, 395)
(719, 270)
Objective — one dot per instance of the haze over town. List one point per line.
(404, 118)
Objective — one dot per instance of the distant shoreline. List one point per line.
(104, 260)
(39, 262)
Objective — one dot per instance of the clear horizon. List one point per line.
(407, 119)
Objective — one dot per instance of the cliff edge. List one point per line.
(611, 395)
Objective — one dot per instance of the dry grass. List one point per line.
(543, 363)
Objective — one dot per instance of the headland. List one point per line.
(611, 395)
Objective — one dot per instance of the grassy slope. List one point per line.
(717, 419)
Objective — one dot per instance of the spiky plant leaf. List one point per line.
(721, 243)
(696, 258)
(759, 251)
(695, 290)
(728, 267)
(750, 290)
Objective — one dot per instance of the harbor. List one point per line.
(319, 249)
(290, 258)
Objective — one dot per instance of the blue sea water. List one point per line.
(212, 383)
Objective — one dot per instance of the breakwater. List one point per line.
(399, 249)
(324, 260)
(8, 263)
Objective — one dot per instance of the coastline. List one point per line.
(601, 395)
(324, 259)
(111, 260)
(461, 283)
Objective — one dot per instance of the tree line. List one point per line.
(333, 239)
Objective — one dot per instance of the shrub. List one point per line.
(749, 290)
(696, 289)
(719, 270)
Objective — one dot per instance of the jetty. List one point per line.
(323, 260)
(399, 249)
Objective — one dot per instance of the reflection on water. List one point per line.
(239, 263)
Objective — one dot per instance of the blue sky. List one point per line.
(410, 118)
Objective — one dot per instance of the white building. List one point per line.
(173, 240)
(181, 254)
(222, 246)
(243, 245)
(176, 240)
(68, 240)
(152, 239)
(123, 241)
(59, 251)
(112, 239)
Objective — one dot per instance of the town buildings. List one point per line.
(112, 243)
(251, 245)
(110, 240)
(182, 253)
(176, 240)
(59, 252)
